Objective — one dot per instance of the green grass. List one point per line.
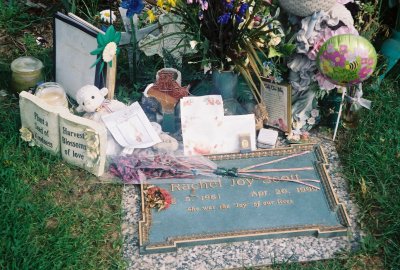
(52, 216)
(371, 158)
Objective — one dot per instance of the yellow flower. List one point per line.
(151, 16)
(172, 3)
(160, 3)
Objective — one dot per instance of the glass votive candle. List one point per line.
(26, 73)
(52, 93)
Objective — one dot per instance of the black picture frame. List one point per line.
(91, 75)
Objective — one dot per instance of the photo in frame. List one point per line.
(74, 39)
(278, 101)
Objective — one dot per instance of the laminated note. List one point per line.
(131, 128)
(205, 129)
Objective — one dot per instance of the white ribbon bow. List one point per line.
(357, 101)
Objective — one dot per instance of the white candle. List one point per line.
(52, 94)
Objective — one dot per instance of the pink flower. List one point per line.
(204, 5)
(364, 72)
(337, 59)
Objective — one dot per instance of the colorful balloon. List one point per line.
(346, 59)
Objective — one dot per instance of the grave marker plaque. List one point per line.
(225, 209)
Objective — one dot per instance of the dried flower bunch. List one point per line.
(137, 168)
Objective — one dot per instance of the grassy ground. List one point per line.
(54, 216)
(371, 158)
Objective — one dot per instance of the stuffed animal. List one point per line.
(92, 101)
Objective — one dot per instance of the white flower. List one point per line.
(105, 16)
(311, 121)
(299, 124)
(296, 132)
(315, 113)
(109, 51)
(275, 40)
(294, 137)
(193, 44)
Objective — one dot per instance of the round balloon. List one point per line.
(346, 59)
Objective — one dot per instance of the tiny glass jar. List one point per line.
(26, 73)
(52, 93)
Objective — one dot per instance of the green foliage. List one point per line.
(228, 38)
(13, 17)
(43, 54)
(69, 5)
(52, 216)
(371, 158)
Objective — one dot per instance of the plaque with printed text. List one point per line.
(278, 101)
(292, 197)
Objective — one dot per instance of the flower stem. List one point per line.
(134, 49)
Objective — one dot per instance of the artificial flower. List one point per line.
(106, 16)
(132, 6)
(311, 121)
(93, 147)
(151, 16)
(193, 44)
(204, 4)
(275, 40)
(27, 136)
(158, 198)
(224, 19)
(172, 3)
(225, 32)
(294, 137)
(299, 124)
(107, 47)
(314, 113)
(109, 52)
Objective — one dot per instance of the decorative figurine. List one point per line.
(92, 101)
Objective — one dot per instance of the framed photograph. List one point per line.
(278, 100)
(74, 39)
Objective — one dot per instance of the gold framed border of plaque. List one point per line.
(172, 243)
(267, 87)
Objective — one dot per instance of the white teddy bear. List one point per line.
(92, 101)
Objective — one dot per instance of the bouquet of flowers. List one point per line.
(232, 34)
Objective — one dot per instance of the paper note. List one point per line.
(131, 128)
(277, 101)
(205, 129)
